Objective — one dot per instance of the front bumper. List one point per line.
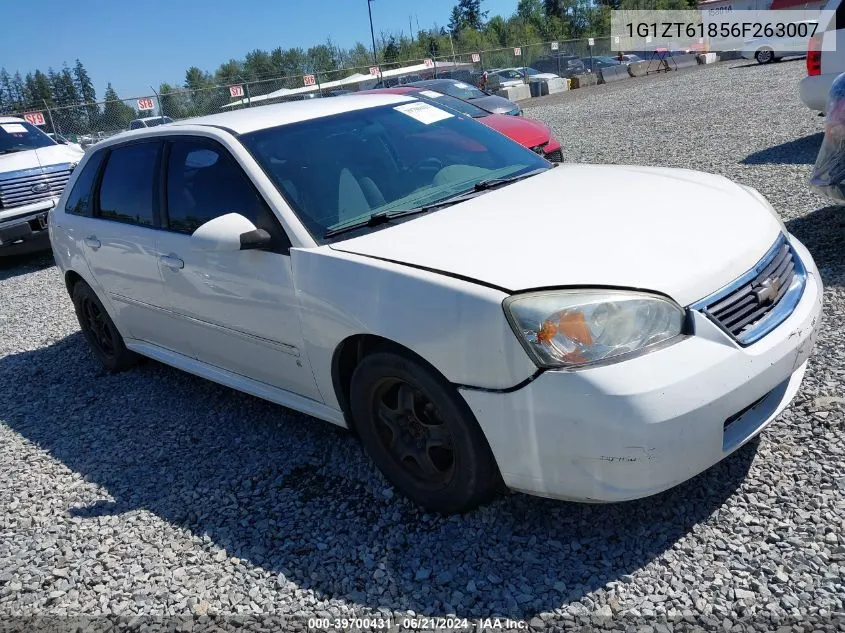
(24, 229)
(636, 428)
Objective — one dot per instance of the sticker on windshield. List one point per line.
(423, 112)
(458, 84)
(13, 128)
(430, 94)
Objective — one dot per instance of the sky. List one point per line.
(141, 44)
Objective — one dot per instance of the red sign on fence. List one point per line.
(476, 58)
(236, 91)
(517, 52)
(428, 63)
(309, 80)
(146, 104)
(34, 118)
(374, 70)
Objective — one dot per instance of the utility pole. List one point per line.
(372, 32)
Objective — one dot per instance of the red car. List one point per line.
(534, 135)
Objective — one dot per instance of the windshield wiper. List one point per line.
(383, 217)
(483, 185)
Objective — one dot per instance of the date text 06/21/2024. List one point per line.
(416, 623)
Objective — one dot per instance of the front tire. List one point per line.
(765, 56)
(100, 331)
(421, 434)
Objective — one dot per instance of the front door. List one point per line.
(240, 307)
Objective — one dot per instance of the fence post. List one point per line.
(248, 98)
(50, 116)
(160, 104)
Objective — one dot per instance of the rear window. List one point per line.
(79, 200)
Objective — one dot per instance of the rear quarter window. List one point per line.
(79, 202)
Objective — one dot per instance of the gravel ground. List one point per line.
(156, 493)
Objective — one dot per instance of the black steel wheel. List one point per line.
(412, 431)
(99, 330)
(421, 434)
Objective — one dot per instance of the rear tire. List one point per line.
(100, 331)
(765, 56)
(421, 434)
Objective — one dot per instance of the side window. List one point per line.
(203, 183)
(79, 200)
(127, 192)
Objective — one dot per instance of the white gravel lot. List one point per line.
(155, 493)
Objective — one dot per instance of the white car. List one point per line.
(33, 172)
(769, 49)
(474, 314)
(825, 60)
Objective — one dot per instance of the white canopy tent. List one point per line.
(356, 81)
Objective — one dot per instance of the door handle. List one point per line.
(92, 242)
(172, 262)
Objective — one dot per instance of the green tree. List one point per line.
(172, 101)
(390, 50)
(320, 58)
(10, 102)
(456, 21)
(86, 92)
(258, 65)
(116, 114)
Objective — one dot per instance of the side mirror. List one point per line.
(230, 232)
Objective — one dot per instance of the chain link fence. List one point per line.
(88, 123)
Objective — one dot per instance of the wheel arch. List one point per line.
(71, 279)
(350, 351)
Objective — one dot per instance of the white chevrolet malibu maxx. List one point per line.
(476, 315)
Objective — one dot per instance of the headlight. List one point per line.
(571, 328)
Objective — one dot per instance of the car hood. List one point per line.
(493, 103)
(41, 157)
(524, 131)
(682, 233)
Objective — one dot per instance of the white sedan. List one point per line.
(477, 316)
(793, 42)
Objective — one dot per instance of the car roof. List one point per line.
(393, 90)
(267, 116)
(433, 83)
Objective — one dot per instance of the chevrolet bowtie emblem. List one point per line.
(768, 291)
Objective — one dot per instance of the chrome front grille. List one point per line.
(762, 298)
(19, 188)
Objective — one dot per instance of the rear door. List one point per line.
(119, 238)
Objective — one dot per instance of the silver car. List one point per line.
(468, 92)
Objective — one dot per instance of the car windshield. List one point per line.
(19, 136)
(454, 88)
(453, 103)
(338, 170)
(157, 121)
(510, 74)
